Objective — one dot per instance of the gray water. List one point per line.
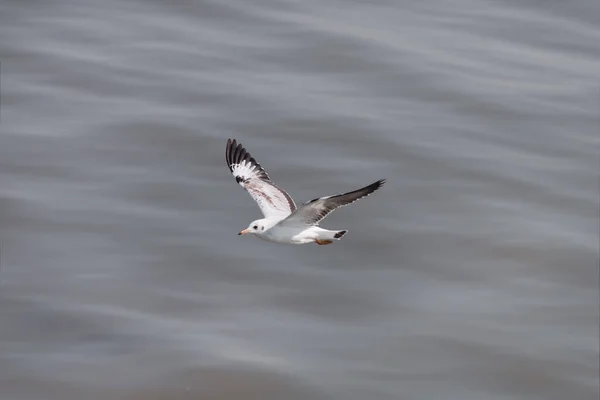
(473, 274)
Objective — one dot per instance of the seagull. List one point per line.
(283, 222)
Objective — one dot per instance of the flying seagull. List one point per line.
(283, 222)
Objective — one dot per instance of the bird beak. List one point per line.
(244, 232)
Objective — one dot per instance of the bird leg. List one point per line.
(323, 242)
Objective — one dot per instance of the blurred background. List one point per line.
(473, 274)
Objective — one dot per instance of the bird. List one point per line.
(283, 222)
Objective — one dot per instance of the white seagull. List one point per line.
(283, 221)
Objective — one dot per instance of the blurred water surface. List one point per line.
(472, 275)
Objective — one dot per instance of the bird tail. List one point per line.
(327, 237)
(338, 235)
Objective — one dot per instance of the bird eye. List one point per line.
(255, 227)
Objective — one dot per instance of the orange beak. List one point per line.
(244, 232)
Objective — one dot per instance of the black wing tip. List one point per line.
(235, 153)
(376, 185)
(367, 190)
(231, 144)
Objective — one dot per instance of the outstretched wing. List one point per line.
(271, 199)
(312, 212)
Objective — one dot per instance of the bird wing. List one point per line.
(271, 199)
(312, 212)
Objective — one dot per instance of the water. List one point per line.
(473, 274)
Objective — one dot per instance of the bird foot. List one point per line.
(323, 242)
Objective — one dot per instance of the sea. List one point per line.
(471, 275)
